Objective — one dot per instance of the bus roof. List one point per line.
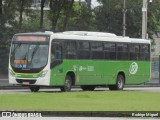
(89, 36)
(97, 36)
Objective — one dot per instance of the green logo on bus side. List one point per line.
(133, 68)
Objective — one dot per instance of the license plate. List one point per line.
(25, 83)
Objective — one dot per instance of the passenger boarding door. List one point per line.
(56, 54)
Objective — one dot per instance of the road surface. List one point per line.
(54, 90)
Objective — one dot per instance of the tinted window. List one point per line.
(109, 47)
(97, 55)
(122, 47)
(56, 51)
(145, 48)
(96, 46)
(144, 52)
(70, 50)
(83, 54)
(134, 52)
(83, 45)
(110, 51)
(97, 50)
(122, 55)
(134, 48)
(83, 50)
(122, 51)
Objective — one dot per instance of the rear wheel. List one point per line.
(67, 85)
(119, 84)
(34, 88)
(88, 87)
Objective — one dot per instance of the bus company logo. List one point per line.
(81, 68)
(133, 68)
(88, 68)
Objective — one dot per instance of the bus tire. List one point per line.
(88, 87)
(119, 83)
(67, 85)
(34, 88)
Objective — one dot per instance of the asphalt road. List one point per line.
(54, 90)
(6, 82)
(5, 87)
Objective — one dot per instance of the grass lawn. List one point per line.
(82, 101)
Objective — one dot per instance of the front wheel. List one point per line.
(67, 85)
(34, 88)
(119, 84)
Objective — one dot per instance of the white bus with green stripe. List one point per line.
(78, 58)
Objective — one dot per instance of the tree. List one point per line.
(7, 17)
(21, 12)
(82, 18)
(42, 12)
(153, 18)
(1, 8)
(88, 2)
(67, 8)
(109, 17)
(55, 10)
(134, 18)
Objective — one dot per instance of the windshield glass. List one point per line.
(29, 55)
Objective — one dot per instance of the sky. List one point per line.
(94, 3)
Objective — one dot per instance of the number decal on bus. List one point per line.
(133, 68)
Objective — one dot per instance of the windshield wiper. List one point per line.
(14, 50)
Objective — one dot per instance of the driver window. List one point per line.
(56, 52)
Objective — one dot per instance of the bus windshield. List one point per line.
(29, 55)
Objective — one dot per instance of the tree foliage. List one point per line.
(81, 18)
(16, 16)
(153, 18)
(109, 17)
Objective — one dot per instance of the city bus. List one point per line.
(78, 58)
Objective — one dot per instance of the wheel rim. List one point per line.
(120, 82)
(68, 85)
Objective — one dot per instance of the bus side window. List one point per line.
(83, 50)
(110, 51)
(70, 50)
(122, 51)
(134, 52)
(145, 52)
(97, 50)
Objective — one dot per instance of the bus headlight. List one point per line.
(44, 73)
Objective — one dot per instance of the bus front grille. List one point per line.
(26, 80)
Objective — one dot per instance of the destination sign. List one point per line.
(30, 38)
(20, 61)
